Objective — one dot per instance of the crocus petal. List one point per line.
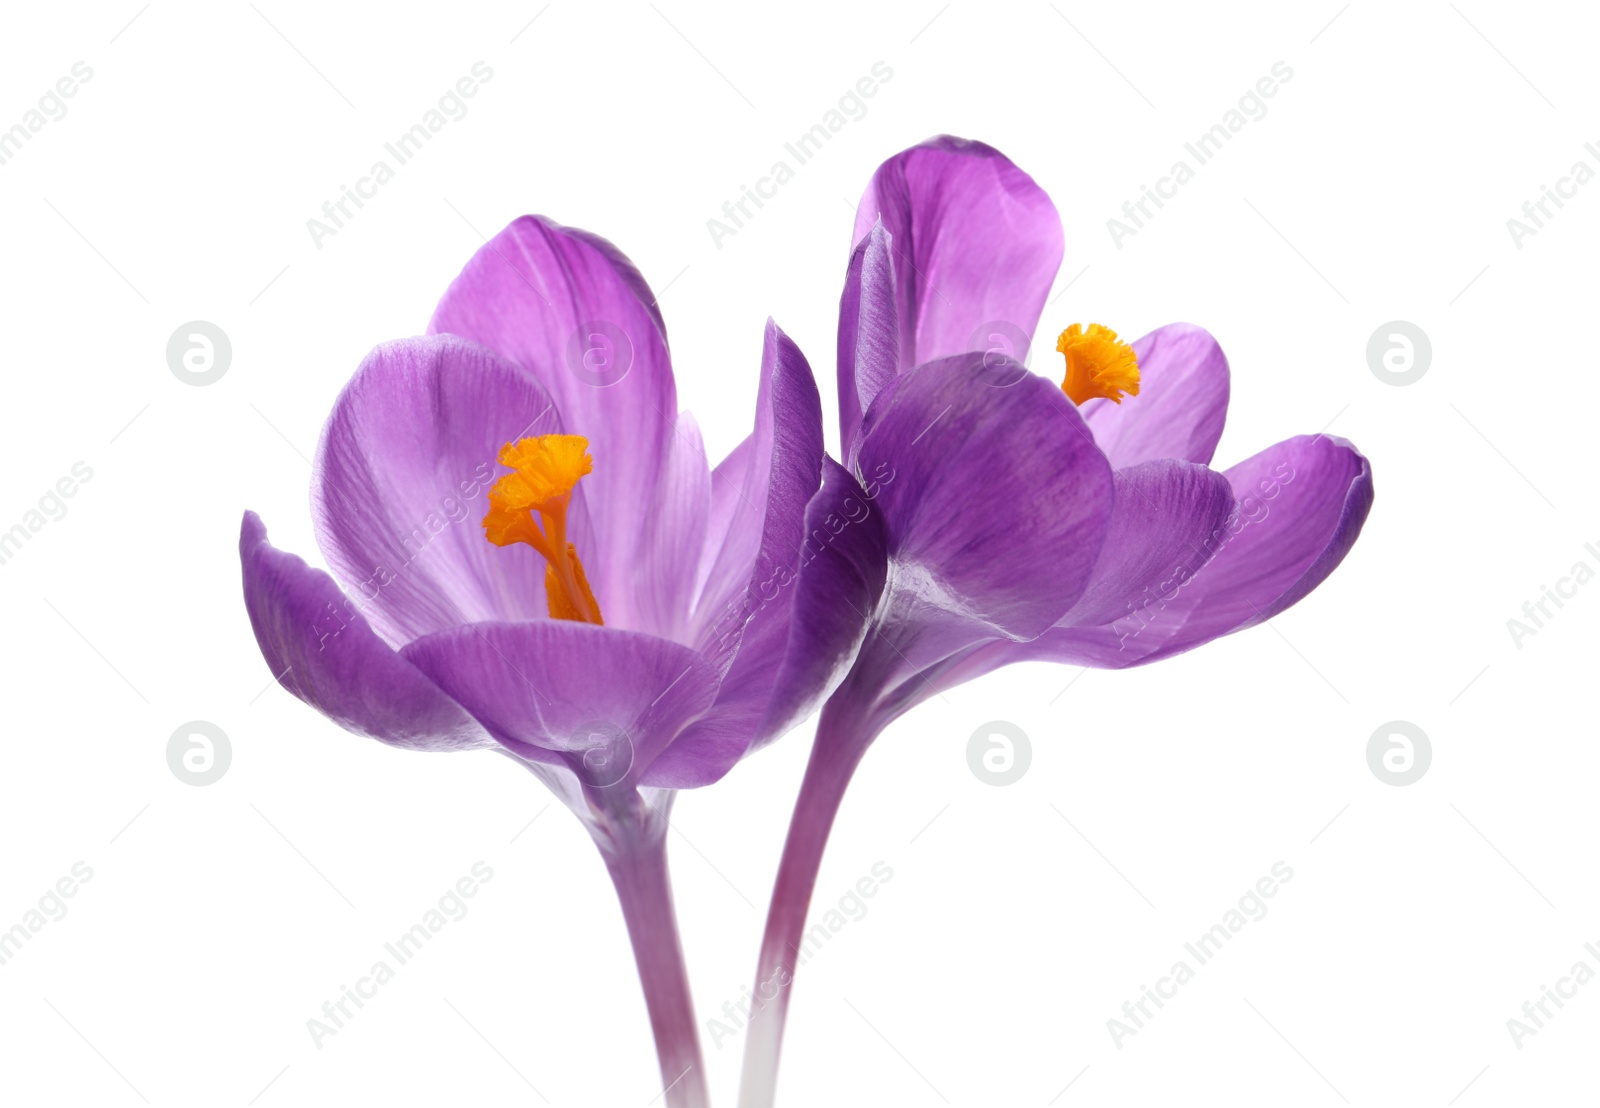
(1164, 515)
(1298, 509)
(783, 467)
(799, 641)
(995, 499)
(843, 568)
(1301, 506)
(1182, 401)
(573, 311)
(322, 650)
(727, 486)
(975, 242)
(401, 484)
(602, 701)
(869, 332)
(667, 568)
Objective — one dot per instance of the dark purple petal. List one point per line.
(604, 702)
(799, 641)
(322, 650)
(1181, 406)
(842, 570)
(1299, 507)
(782, 467)
(975, 243)
(402, 477)
(573, 311)
(995, 499)
(869, 332)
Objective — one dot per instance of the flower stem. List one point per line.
(636, 855)
(842, 737)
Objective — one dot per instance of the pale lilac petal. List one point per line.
(975, 242)
(570, 309)
(727, 486)
(1182, 401)
(668, 566)
(321, 649)
(401, 484)
(604, 702)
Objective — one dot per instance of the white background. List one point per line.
(218, 921)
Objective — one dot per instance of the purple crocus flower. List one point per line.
(627, 621)
(1072, 520)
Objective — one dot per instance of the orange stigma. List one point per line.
(1098, 364)
(544, 471)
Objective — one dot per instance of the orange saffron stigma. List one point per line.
(544, 471)
(1098, 364)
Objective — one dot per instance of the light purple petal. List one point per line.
(799, 641)
(401, 484)
(727, 486)
(975, 242)
(1181, 406)
(573, 311)
(604, 702)
(995, 499)
(869, 332)
(668, 567)
(322, 650)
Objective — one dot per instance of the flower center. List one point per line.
(1098, 364)
(544, 471)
